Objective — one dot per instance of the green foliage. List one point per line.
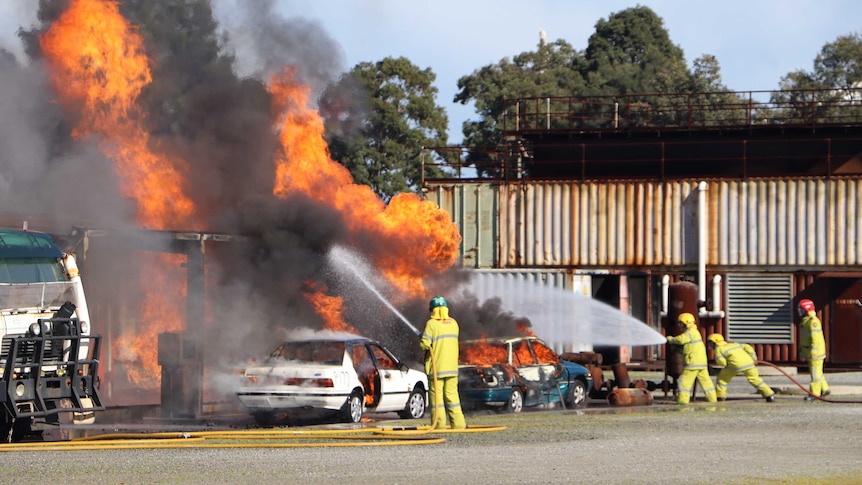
(832, 91)
(378, 118)
(549, 71)
(629, 54)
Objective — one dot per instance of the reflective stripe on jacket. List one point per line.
(441, 337)
(735, 356)
(694, 351)
(813, 344)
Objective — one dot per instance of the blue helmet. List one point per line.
(435, 302)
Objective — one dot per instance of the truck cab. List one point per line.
(48, 358)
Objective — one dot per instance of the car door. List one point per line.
(550, 370)
(393, 382)
(366, 371)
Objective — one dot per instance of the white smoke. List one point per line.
(14, 15)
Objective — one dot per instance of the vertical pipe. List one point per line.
(701, 240)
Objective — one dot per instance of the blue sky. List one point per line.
(756, 41)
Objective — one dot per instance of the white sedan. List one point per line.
(344, 376)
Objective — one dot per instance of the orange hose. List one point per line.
(801, 386)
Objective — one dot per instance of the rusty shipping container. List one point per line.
(781, 224)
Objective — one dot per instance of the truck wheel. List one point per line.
(20, 429)
(5, 432)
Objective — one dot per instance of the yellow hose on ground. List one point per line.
(228, 439)
(379, 436)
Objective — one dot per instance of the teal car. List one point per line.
(509, 374)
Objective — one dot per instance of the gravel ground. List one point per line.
(743, 440)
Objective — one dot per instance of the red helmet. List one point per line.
(806, 305)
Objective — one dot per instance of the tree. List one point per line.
(710, 100)
(631, 53)
(549, 71)
(828, 93)
(378, 117)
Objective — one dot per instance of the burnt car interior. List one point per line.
(368, 374)
(328, 353)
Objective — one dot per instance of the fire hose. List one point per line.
(801, 386)
(229, 439)
(379, 436)
(438, 396)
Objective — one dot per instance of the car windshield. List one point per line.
(318, 352)
(545, 354)
(483, 352)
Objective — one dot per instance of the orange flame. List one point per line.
(98, 67)
(138, 350)
(419, 236)
(98, 64)
(329, 307)
(483, 352)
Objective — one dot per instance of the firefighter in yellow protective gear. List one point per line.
(439, 340)
(735, 358)
(813, 348)
(695, 362)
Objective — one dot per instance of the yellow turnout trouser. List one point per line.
(443, 394)
(686, 384)
(753, 376)
(818, 380)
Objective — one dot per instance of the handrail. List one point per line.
(801, 107)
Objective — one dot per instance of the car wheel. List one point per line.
(351, 412)
(516, 402)
(415, 407)
(576, 398)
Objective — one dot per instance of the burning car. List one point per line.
(341, 377)
(510, 373)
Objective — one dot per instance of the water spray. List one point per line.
(359, 267)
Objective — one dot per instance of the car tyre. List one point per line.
(576, 397)
(351, 412)
(516, 402)
(415, 407)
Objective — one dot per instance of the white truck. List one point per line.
(49, 361)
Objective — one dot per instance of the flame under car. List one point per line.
(509, 374)
(326, 378)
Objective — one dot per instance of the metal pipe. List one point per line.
(665, 285)
(621, 375)
(702, 256)
(631, 396)
(701, 240)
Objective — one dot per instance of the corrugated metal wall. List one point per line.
(474, 208)
(777, 223)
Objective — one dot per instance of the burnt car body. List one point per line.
(509, 374)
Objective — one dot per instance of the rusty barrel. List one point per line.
(682, 298)
(630, 396)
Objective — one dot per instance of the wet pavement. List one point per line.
(844, 386)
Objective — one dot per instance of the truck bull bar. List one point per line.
(41, 372)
